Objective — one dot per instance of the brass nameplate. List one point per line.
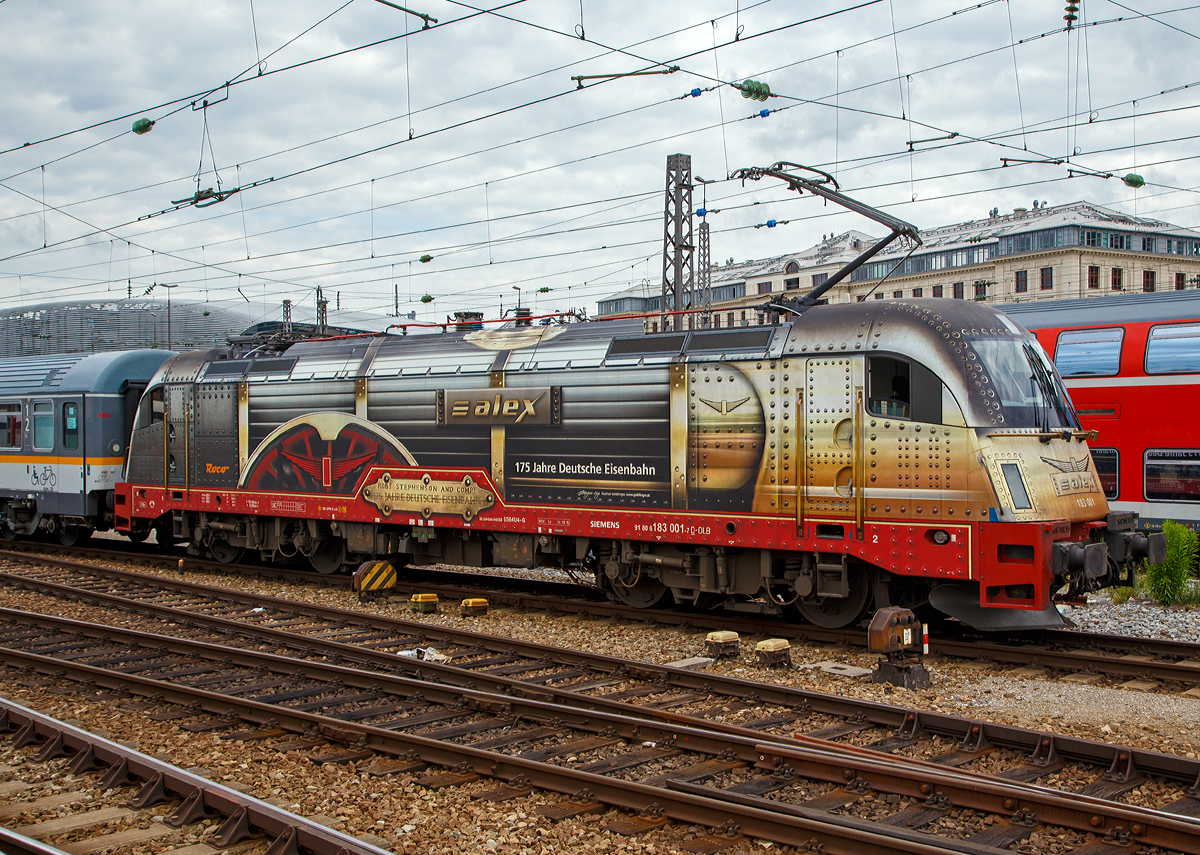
(427, 496)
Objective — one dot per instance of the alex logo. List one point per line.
(213, 469)
(497, 406)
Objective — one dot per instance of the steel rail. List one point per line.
(1082, 750)
(885, 773)
(200, 794)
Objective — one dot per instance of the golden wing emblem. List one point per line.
(724, 407)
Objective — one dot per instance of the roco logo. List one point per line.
(213, 468)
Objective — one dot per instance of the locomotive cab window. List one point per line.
(70, 425)
(902, 389)
(152, 409)
(1173, 349)
(43, 425)
(10, 425)
(1089, 352)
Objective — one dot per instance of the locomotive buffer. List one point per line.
(896, 633)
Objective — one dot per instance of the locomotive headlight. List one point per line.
(116, 447)
(940, 537)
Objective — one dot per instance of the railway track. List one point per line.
(843, 799)
(65, 790)
(1147, 663)
(663, 696)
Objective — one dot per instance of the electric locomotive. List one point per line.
(897, 453)
(65, 422)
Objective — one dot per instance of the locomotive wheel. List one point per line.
(837, 612)
(163, 533)
(137, 536)
(225, 552)
(8, 532)
(69, 535)
(645, 593)
(329, 555)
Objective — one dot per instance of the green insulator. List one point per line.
(142, 126)
(425, 298)
(754, 89)
(544, 289)
(425, 259)
(1072, 10)
(1134, 180)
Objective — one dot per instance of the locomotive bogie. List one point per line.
(886, 451)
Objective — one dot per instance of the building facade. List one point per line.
(1042, 253)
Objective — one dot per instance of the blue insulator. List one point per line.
(700, 212)
(764, 113)
(695, 93)
(772, 223)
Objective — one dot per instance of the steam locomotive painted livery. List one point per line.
(900, 453)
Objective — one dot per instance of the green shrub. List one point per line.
(1170, 582)
(1120, 596)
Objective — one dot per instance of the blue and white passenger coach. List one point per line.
(64, 429)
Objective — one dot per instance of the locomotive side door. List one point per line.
(830, 479)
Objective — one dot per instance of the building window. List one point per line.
(730, 320)
(1118, 241)
(761, 318)
(958, 290)
(1116, 279)
(1091, 238)
(897, 294)
(1021, 283)
(917, 292)
(878, 295)
(1147, 244)
(1180, 281)
(792, 267)
(791, 284)
(743, 317)
(764, 287)
(1047, 278)
(1093, 277)
(937, 290)
(1148, 281)
(980, 291)
(820, 279)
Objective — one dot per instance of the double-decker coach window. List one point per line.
(1172, 475)
(1173, 349)
(1106, 460)
(1090, 352)
(903, 389)
(10, 425)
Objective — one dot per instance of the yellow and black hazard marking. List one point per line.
(374, 578)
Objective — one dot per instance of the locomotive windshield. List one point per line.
(1019, 378)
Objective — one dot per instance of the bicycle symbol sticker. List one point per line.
(45, 478)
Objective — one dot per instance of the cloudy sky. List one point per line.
(373, 141)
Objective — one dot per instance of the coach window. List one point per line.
(43, 425)
(1106, 460)
(1173, 349)
(70, 425)
(1090, 352)
(10, 425)
(1173, 475)
(903, 390)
